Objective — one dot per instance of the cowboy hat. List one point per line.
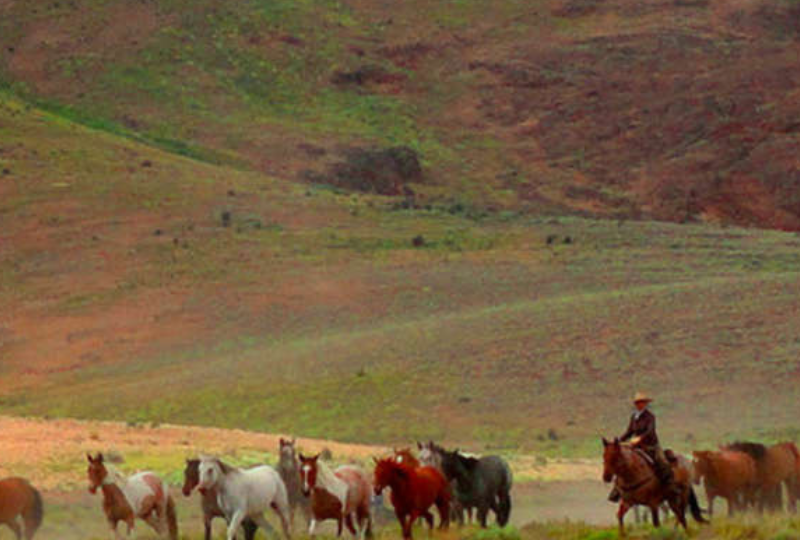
(641, 396)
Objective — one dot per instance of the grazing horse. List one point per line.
(245, 493)
(727, 474)
(775, 465)
(638, 483)
(18, 499)
(414, 491)
(143, 495)
(289, 469)
(343, 495)
(208, 501)
(430, 454)
(484, 483)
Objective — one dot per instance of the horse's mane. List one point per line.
(757, 451)
(331, 483)
(115, 475)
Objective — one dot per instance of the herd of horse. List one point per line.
(456, 485)
(747, 475)
(449, 481)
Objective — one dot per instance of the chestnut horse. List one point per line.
(775, 465)
(404, 455)
(343, 495)
(727, 474)
(638, 484)
(208, 501)
(143, 495)
(19, 499)
(414, 491)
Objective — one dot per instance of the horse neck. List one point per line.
(113, 495)
(114, 476)
(627, 469)
(327, 480)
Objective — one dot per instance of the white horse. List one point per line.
(245, 493)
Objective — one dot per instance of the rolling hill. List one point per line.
(198, 225)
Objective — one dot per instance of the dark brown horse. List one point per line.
(639, 484)
(208, 501)
(727, 474)
(18, 499)
(776, 465)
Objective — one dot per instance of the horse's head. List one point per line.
(96, 472)
(429, 454)
(404, 455)
(209, 474)
(191, 476)
(700, 465)
(612, 450)
(387, 472)
(308, 473)
(287, 448)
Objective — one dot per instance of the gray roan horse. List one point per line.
(483, 483)
(289, 469)
(246, 493)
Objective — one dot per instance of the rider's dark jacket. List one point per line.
(643, 426)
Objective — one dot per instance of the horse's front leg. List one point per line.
(410, 524)
(234, 524)
(207, 526)
(656, 516)
(311, 526)
(621, 511)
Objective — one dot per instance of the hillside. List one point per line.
(128, 295)
(676, 110)
(180, 242)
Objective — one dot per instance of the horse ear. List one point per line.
(294, 440)
(605, 441)
(419, 445)
(89, 457)
(376, 460)
(100, 458)
(315, 458)
(301, 456)
(616, 441)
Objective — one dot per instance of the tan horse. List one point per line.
(727, 474)
(638, 484)
(143, 495)
(19, 499)
(775, 465)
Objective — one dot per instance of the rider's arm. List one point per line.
(628, 432)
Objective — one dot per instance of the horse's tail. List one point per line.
(694, 506)
(34, 515)
(172, 518)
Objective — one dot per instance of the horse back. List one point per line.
(359, 486)
(16, 497)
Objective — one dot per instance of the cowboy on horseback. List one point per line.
(641, 433)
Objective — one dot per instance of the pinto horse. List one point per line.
(289, 469)
(638, 484)
(414, 491)
(404, 455)
(19, 499)
(727, 474)
(208, 501)
(143, 495)
(245, 493)
(343, 495)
